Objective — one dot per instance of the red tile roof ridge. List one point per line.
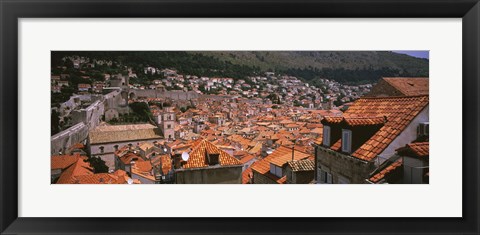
(389, 97)
(419, 149)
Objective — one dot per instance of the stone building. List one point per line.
(105, 140)
(355, 145)
(207, 164)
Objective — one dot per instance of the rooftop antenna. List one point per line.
(293, 150)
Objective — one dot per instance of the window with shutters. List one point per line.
(346, 141)
(326, 136)
(329, 178)
(324, 177)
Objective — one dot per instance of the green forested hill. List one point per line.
(281, 60)
(343, 66)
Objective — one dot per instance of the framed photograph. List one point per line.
(239, 117)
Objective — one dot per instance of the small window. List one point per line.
(326, 136)
(169, 126)
(346, 141)
(329, 178)
(102, 149)
(278, 172)
(325, 177)
(272, 169)
(116, 147)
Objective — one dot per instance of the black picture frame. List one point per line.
(11, 11)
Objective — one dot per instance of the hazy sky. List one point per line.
(419, 54)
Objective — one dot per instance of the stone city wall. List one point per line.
(63, 140)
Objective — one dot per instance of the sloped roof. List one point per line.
(302, 165)
(419, 149)
(198, 157)
(409, 86)
(332, 119)
(129, 157)
(78, 168)
(123, 133)
(63, 161)
(399, 112)
(246, 158)
(386, 171)
(144, 166)
(279, 157)
(118, 177)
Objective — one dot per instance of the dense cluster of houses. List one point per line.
(288, 90)
(379, 137)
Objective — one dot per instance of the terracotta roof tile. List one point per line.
(284, 154)
(364, 121)
(397, 120)
(63, 161)
(419, 149)
(102, 178)
(80, 167)
(144, 166)
(332, 119)
(280, 156)
(409, 86)
(387, 170)
(302, 165)
(198, 157)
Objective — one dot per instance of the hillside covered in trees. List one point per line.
(349, 67)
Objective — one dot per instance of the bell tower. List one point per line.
(168, 122)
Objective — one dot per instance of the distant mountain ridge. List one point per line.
(349, 60)
(350, 67)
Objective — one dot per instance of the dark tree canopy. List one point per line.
(98, 165)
